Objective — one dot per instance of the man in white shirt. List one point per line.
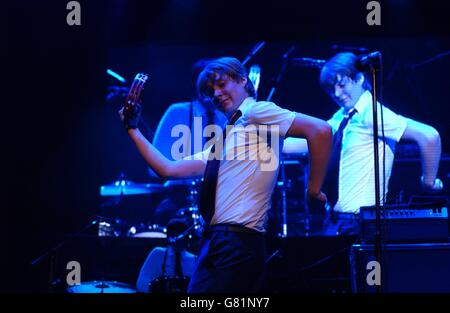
(350, 89)
(232, 252)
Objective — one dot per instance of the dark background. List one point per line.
(62, 139)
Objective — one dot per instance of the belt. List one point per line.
(232, 228)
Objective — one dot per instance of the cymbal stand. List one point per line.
(283, 187)
(53, 254)
(305, 197)
(193, 206)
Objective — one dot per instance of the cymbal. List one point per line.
(102, 287)
(181, 182)
(126, 187)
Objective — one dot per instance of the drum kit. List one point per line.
(293, 177)
(118, 227)
(287, 186)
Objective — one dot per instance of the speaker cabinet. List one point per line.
(423, 268)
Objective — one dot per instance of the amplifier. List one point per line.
(406, 268)
(406, 224)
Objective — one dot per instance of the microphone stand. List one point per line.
(283, 235)
(378, 240)
(258, 46)
(284, 63)
(282, 183)
(305, 197)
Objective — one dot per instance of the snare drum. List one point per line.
(169, 284)
(149, 231)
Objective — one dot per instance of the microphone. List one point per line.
(308, 62)
(115, 75)
(368, 61)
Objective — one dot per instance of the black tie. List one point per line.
(208, 192)
(331, 184)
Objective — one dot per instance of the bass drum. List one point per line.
(169, 284)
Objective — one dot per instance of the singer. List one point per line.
(236, 194)
(350, 180)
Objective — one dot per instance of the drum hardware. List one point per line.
(192, 212)
(102, 287)
(113, 195)
(305, 197)
(110, 227)
(106, 229)
(291, 216)
(169, 284)
(127, 188)
(284, 185)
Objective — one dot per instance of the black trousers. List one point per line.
(230, 260)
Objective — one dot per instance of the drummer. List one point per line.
(191, 114)
(173, 261)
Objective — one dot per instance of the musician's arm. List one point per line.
(160, 164)
(429, 143)
(318, 136)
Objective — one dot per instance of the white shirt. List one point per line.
(356, 168)
(248, 174)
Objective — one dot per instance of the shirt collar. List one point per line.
(363, 101)
(244, 105)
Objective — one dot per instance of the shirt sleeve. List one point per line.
(202, 155)
(334, 121)
(394, 124)
(268, 113)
